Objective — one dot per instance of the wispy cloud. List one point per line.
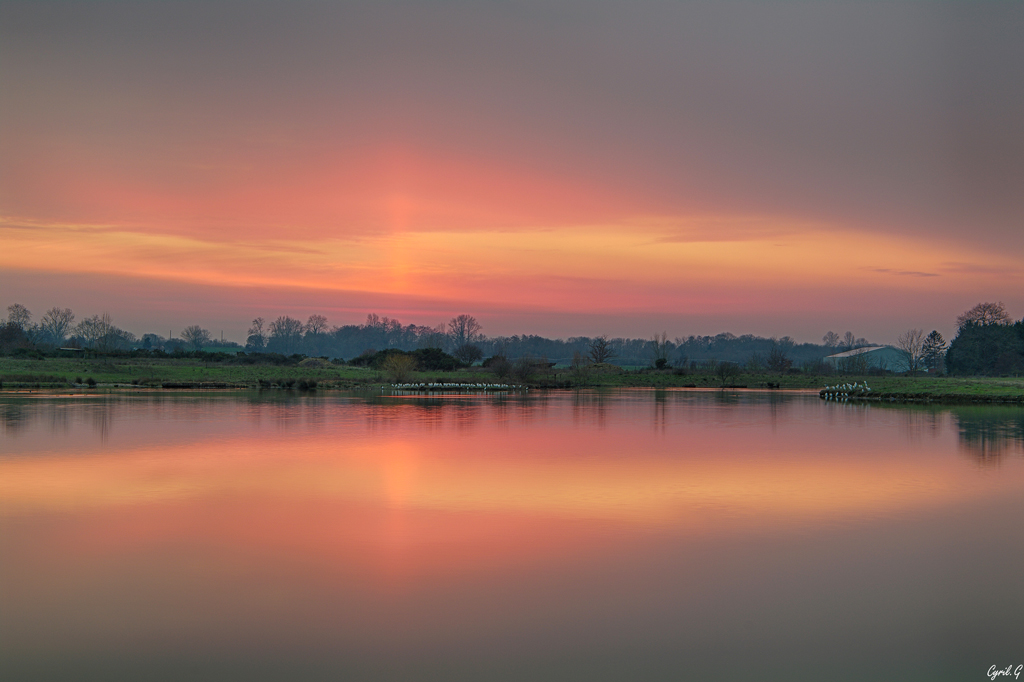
(903, 273)
(958, 268)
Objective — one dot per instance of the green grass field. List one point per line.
(113, 372)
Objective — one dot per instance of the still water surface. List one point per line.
(663, 535)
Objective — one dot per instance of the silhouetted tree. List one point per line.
(195, 336)
(831, 340)
(56, 324)
(984, 313)
(285, 334)
(468, 353)
(257, 338)
(12, 337)
(463, 329)
(19, 316)
(316, 325)
(987, 349)
(91, 330)
(601, 350)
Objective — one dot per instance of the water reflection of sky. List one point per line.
(555, 532)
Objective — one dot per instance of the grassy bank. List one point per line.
(188, 372)
(935, 389)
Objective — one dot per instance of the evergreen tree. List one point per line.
(934, 352)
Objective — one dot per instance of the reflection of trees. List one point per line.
(102, 414)
(986, 433)
(726, 398)
(660, 408)
(59, 419)
(15, 418)
(590, 405)
(438, 411)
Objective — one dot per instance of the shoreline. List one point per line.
(879, 397)
(174, 374)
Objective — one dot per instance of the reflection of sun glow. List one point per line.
(401, 474)
(399, 464)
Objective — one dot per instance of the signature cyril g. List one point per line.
(1009, 670)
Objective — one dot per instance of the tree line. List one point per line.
(461, 336)
(987, 342)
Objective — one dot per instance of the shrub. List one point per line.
(468, 353)
(399, 367)
(726, 372)
(579, 368)
(500, 365)
(522, 369)
(91, 382)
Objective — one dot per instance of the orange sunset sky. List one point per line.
(556, 168)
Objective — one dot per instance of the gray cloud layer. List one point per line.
(901, 117)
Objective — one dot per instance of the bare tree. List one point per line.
(983, 313)
(257, 339)
(432, 337)
(195, 336)
(831, 339)
(56, 324)
(463, 329)
(88, 330)
(19, 316)
(285, 333)
(660, 349)
(910, 344)
(849, 340)
(601, 350)
(726, 372)
(316, 325)
(99, 333)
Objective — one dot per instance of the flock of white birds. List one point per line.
(844, 391)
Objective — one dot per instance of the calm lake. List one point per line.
(633, 535)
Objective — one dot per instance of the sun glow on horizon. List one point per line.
(690, 264)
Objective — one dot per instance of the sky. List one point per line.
(558, 168)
